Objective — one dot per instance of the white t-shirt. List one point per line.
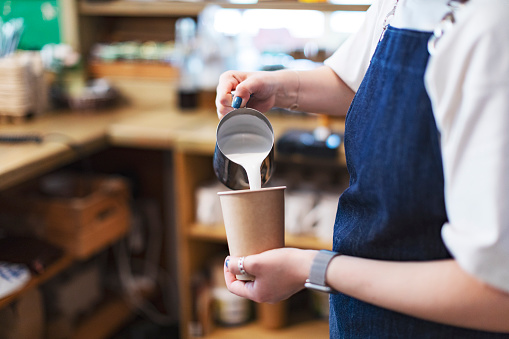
(467, 80)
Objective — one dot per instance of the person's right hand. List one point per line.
(259, 88)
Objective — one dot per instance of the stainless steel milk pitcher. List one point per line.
(241, 121)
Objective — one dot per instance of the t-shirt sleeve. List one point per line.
(351, 60)
(468, 82)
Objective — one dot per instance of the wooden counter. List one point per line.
(161, 127)
(23, 161)
(69, 136)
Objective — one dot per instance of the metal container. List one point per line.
(241, 121)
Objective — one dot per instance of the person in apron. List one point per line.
(389, 221)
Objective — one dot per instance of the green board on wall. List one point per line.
(41, 21)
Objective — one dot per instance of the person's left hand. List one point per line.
(279, 273)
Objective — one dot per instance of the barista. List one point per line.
(421, 238)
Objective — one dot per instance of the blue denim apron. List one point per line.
(394, 208)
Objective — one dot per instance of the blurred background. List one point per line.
(109, 219)
(193, 41)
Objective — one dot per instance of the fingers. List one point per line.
(242, 95)
(259, 88)
(228, 276)
(233, 267)
(226, 103)
(237, 102)
(223, 104)
(238, 287)
(228, 83)
(279, 273)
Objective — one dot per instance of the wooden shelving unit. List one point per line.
(119, 20)
(61, 264)
(316, 329)
(192, 8)
(101, 324)
(198, 243)
(105, 321)
(217, 233)
(82, 226)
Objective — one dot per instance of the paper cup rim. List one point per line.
(249, 191)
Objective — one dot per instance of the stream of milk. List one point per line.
(248, 150)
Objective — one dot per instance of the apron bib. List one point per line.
(394, 208)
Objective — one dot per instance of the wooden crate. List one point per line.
(86, 214)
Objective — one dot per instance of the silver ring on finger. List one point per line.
(241, 266)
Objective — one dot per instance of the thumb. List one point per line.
(238, 265)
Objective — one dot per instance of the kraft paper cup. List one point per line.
(254, 221)
(272, 316)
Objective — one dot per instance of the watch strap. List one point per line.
(318, 270)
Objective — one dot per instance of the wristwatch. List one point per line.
(316, 280)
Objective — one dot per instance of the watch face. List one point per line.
(320, 288)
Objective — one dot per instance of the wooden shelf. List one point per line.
(104, 322)
(182, 8)
(217, 233)
(214, 233)
(154, 70)
(101, 324)
(316, 329)
(61, 264)
(308, 242)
